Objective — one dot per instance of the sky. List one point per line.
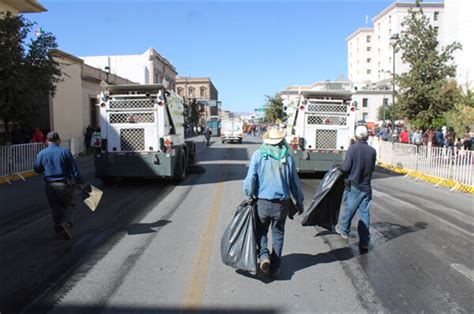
(248, 49)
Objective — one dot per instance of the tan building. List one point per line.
(73, 108)
(21, 6)
(203, 90)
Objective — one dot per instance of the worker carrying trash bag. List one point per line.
(358, 167)
(272, 180)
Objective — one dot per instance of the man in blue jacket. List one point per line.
(59, 168)
(271, 179)
(358, 167)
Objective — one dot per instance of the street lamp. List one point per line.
(107, 72)
(393, 41)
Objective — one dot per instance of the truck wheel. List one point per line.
(180, 169)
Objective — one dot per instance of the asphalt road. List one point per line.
(153, 246)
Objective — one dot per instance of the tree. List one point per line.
(390, 113)
(28, 73)
(422, 96)
(192, 112)
(274, 110)
(461, 116)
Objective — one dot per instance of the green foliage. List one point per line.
(28, 73)
(274, 111)
(461, 116)
(390, 113)
(192, 112)
(424, 92)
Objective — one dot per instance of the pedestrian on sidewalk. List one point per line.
(272, 180)
(59, 168)
(358, 167)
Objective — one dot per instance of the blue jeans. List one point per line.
(356, 200)
(274, 214)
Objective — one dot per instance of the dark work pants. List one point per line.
(60, 199)
(274, 214)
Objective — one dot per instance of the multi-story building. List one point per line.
(360, 54)
(370, 50)
(459, 26)
(371, 57)
(16, 7)
(147, 68)
(203, 90)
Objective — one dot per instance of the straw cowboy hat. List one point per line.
(273, 136)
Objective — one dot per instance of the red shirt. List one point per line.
(404, 137)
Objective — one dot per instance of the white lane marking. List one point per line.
(469, 273)
(409, 205)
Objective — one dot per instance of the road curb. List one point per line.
(19, 176)
(453, 185)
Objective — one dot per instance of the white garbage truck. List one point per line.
(232, 130)
(142, 133)
(320, 127)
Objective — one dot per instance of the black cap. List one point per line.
(52, 136)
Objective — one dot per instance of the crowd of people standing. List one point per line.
(442, 137)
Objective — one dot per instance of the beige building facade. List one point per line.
(73, 106)
(16, 7)
(203, 90)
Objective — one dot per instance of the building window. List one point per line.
(378, 38)
(365, 102)
(389, 19)
(368, 48)
(368, 60)
(369, 71)
(368, 39)
(365, 115)
(202, 90)
(385, 101)
(436, 15)
(180, 91)
(436, 29)
(389, 31)
(191, 92)
(378, 25)
(379, 51)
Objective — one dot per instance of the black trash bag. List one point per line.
(324, 208)
(239, 241)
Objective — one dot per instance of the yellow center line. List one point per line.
(195, 289)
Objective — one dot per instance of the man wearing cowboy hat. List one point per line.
(272, 179)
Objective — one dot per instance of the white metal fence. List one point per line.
(20, 158)
(454, 168)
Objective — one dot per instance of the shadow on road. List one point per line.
(225, 152)
(134, 229)
(292, 263)
(390, 231)
(233, 172)
(154, 309)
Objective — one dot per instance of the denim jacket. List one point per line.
(271, 179)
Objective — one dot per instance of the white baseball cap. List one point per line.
(361, 132)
